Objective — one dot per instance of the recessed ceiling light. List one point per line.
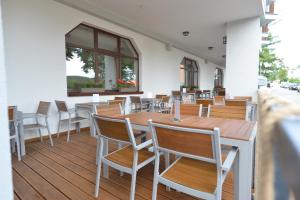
(185, 33)
(210, 48)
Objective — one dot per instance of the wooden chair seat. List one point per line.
(34, 126)
(74, 119)
(124, 156)
(195, 174)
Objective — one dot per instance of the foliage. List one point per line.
(127, 69)
(125, 84)
(88, 58)
(282, 75)
(269, 63)
(294, 80)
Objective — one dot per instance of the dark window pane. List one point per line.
(127, 49)
(82, 36)
(107, 42)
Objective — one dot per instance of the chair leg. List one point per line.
(68, 136)
(167, 163)
(40, 133)
(155, 178)
(97, 150)
(120, 147)
(49, 134)
(133, 184)
(98, 173)
(18, 147)
(58, 128)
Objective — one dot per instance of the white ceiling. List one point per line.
(165, 20)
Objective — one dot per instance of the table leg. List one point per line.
(105, 152)
(236, 176)
(21, 137)
(244, 170)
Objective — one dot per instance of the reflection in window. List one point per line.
(219, 78)
(98, 61)
(189, 73)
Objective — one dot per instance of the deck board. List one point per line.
(67, 171)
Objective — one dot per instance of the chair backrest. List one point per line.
(111, 110)
(135, 100)
(121, 98)
(204, 102)
(219, 100)
(165, 99)
(43, 108)
(61, 106)
(111, 102)
(236, 103)
(189, 109)
(160, 96)
(248, 98)
(228, 112)
(194, 143)
(12, 113)
(114, 129)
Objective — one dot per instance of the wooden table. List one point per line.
(238, 133)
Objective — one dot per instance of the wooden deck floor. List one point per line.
(67, 171)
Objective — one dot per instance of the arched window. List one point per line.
(189, 73)
(219, 76)
(98, 61)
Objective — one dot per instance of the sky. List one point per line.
(288, 31)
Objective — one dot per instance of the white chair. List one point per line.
(128, 159)
(41, 113)
(73, 117)
(137, 105)
(199, 170)
(14, 133)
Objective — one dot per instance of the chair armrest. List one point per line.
(143, 145)
(226, 166)
(29, 115)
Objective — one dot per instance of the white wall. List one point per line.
(35, 37)
(242, 57)
(6, 191)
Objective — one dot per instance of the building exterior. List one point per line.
(33, 49)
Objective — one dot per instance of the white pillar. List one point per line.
(6, 191)
(242, 57)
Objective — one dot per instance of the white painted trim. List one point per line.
(6, 185)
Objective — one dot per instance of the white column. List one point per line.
(6, 191)
(242, 57)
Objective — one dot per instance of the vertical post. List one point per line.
(6, 184)
(242, 57)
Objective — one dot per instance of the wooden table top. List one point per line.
(229, 128)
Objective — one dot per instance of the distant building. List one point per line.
(294, 72)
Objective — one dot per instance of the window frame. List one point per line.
(191, 72)
(117, 55)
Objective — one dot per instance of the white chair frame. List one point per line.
(15, 137)
(70, 120)
(136, 148)
(36, 117)
(222, 169)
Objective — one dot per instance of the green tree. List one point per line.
(269, 63)
(91, 61)
(282, 74)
